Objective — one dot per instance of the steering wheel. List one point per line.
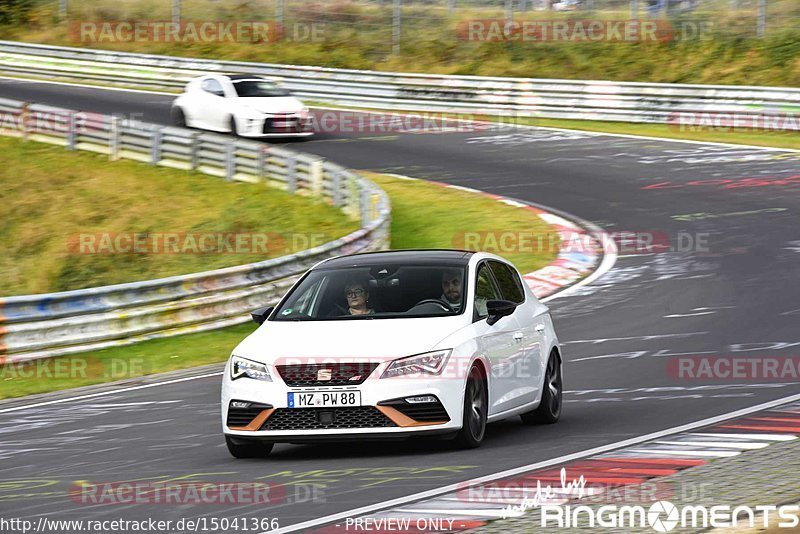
(441, 303)
(338, 311)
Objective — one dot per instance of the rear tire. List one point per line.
(549, 409)
(476, 408)
(243, 448)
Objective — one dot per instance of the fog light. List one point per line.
(240, 404)
(421, 399)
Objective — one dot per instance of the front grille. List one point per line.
(281, 124)
(424, 412)
(312, 418)
(341, 374)
(244, 416)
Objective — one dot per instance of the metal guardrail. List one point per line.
(570, 99)
(37, 326)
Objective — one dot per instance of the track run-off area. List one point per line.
(727, 287)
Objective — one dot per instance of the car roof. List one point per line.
(235, 77)
(455, 258)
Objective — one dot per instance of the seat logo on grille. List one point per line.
(324, 374)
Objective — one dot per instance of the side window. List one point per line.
(484, 290)
(213, 86)
(509, 282)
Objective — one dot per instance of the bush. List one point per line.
(15, 11)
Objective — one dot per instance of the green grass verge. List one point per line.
(360, 36)
(119, 363)
(423, 216)
(426, 215)
(54, 200)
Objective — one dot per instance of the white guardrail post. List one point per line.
(114, 138)
(291, 174)
(72, 134)
(230, 160)
(39, 326)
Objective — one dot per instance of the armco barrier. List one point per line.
(572, 99)
(37, 326)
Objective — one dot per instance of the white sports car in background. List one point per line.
(243, 104)
(390, 345)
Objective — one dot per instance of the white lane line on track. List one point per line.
(765, 437)
(106, 393)
(687, 453)
(649, 337)
(716, 444)
(546, 463)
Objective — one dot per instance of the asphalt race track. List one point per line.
(731, 290)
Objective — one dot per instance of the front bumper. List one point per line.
(383, 413)
(277, 126)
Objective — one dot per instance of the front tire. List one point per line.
(476, 408)
(232, 125)
(242, 448)
(549, 409)
(178, 117)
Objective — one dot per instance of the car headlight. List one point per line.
(429, 363)
(243, 367)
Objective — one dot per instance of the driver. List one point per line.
(356, 293)
(452, 282)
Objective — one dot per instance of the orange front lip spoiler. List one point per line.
(257, 421)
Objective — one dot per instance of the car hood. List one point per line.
(346, 340)
(272, 104)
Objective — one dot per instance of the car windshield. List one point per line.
(376, 292)
(258, 88)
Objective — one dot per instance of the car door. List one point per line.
(531, 319)
(498, 343)
(212, 112)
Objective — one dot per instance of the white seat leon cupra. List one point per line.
(394, 345)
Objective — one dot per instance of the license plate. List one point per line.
(324, 399)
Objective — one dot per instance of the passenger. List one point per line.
(357, 295)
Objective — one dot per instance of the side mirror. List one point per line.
(260, 315)
(497, 309)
